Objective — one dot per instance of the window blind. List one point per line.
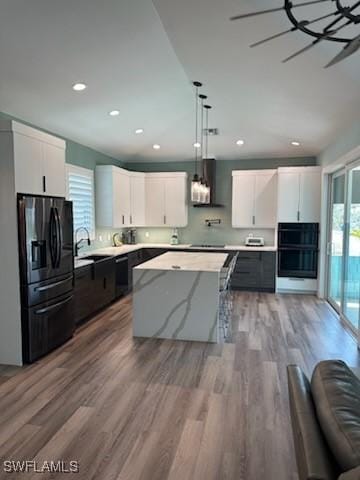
(80, 190)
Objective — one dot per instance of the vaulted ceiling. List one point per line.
(140, 58)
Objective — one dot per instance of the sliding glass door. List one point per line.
(336, 240)
(344, 245)
(352, 261)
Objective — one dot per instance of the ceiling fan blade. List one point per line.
(315, 42)
(279, 9)
(277, 35)
(299, 52)
(304, 23)
(350, 49)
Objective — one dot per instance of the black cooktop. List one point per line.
(204, 245)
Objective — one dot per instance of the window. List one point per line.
(80, 190)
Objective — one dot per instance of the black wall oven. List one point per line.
(298, 249)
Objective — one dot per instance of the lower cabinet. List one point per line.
(255, 271)
(134, 259)
(94, 288)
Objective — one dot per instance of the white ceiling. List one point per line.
(140, 57)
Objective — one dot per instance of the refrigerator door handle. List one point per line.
(58, 237)
(53, 243)
(41, 311)
(52, 285)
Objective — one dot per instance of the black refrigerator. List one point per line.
(45, 227)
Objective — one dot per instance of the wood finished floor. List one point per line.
(161, 410)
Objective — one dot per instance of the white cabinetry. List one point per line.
(254, 198)
(39, 161)
(125, 199)
(154, 201)
(166, 199)
(299, 194)
(137, 199)
(120, 197)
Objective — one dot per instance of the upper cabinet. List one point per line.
(254, 198)
(126, 199)
(39, 160)
(166, 199)
(299, 194)
(120, 197)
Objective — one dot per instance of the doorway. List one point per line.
(343, 289)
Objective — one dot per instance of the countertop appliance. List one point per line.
(298, 249)
(129, 236)
(252, 241)
(46, 258)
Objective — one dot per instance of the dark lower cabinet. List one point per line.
(134, 259)
(94, 288)
(255, 271)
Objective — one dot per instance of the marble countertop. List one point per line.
(124, 249)
(186, 261)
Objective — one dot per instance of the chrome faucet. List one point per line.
(78, 242)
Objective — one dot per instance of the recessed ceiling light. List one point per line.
(114, 113)
(197, 145)
(295, 144)
(240, 142)
(139, 130)
(79, 87)
(156, 146)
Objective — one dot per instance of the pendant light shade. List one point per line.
(203, 186)
(206, 134)
(195, 184)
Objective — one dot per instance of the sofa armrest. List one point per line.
(313, 457)
(353, 474)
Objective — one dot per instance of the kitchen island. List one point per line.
(176, 296)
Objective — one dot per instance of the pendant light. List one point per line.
(195, 184)
(207, 109)
(203, 188)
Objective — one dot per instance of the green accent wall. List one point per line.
(197, 231)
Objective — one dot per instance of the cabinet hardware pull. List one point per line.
(123, 219)
(105, 283)
(164, 219)
(130, 219)
(298, 216)
(44, 183)
(253, 219)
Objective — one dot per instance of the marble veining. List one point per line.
(178, 304)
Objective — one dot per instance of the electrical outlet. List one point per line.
(147, 234)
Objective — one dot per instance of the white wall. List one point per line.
(10, 310)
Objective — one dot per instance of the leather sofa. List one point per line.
(325, 417)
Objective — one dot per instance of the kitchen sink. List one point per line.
(95, 258)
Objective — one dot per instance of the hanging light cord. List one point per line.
(196, 127)
(207, 133)
(202, 97)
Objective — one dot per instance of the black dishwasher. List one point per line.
(122, 276)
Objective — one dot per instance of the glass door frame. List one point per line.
(346, 242)
(332, 177)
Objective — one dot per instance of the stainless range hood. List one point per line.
(209, 167)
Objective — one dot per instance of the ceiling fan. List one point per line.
(339, 18)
